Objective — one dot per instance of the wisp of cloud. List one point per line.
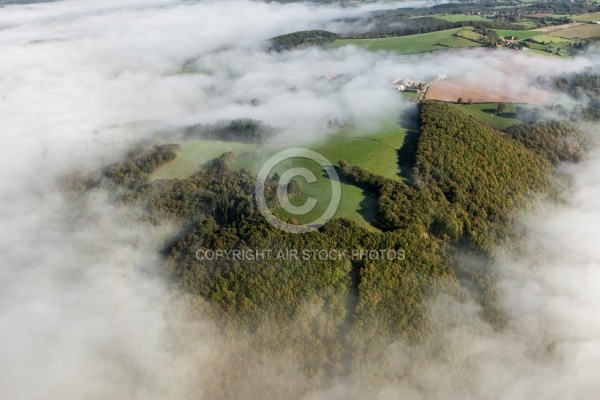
(85, 311)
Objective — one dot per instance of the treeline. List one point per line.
(483, 7)
(490, 36)
(586, 113)
(582, 46)
(396, 23)
(139, 164)
(466, 181)
(467, 184)
(245, 130)
(583, 85)
(558, 112)
(302, 39)
(404, 27)
(564, 7)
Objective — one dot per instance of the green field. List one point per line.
(518, 34)
(550, 39)
(468, 33)
(549, 45)
(194, 153)
(486, 112)
(566, 101)
(411, 44)
(562, 48)
(527, 23)
(375, 149)
(586, 31)
(355, 204)
(584, 17)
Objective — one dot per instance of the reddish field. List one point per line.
(492, 91)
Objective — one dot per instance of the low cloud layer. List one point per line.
(84, 310)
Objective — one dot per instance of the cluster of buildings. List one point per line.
(408, 85)
(511, 42)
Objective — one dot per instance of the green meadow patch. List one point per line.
(411, 44)
(195, 153)
(546, 39)
(375, 149)
(586, 31)
(585, 17)
(486, 113)
(517, 34)
(468, 33)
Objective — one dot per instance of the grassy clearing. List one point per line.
(194, 153)
(527, 23)
(468, 34)
(538, 48)
(518, 34)
(355, 204)
(408, 96)
(545, 39)
(486, 112)
(585, 17)
(566, 101)
(550, 45)
(411, 44)
(586, 31)
(374, 149)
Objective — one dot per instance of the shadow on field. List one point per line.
(492, 111)
(369, 206)
(409, 119)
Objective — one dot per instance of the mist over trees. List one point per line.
(398, 23)
(244, 130)
(467, 183)
(108, 286)
(582, 85)
(302, 39)
(559, 141)
(140, 163)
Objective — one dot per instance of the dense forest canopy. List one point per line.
(582, 85)
(244, 130)
(559, 141)
(302, 39)
(467, 183)
(141, 261)
(564, 7)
